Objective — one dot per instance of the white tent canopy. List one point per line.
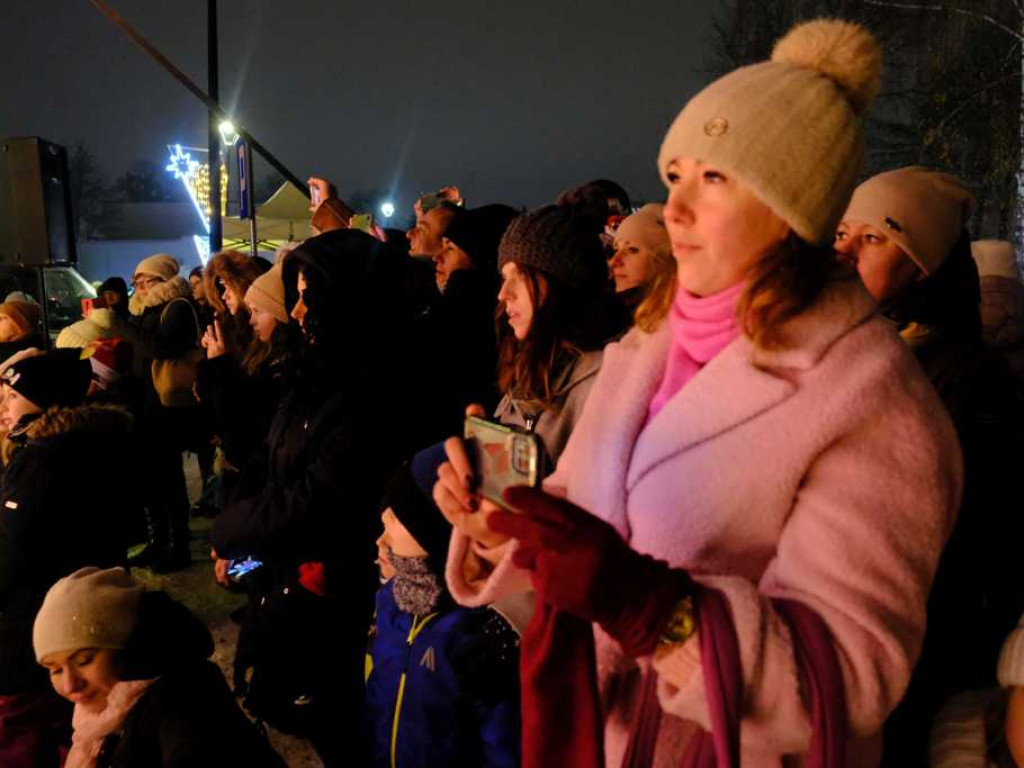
(284, 217)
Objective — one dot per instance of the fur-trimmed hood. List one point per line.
(94, 418)
(161, 293)
(231, 268)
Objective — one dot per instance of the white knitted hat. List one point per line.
(91, 608)
(995, 258)
(160, 265)
(791, 128)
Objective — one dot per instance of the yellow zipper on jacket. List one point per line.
(417, 627)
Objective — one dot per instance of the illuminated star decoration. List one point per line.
(195, 176)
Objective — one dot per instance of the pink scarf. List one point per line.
(701, 328)
(92, 728)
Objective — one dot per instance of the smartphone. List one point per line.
(502, 457)
(88, 305)
(314, 195)
(363, 222)
(239, 569)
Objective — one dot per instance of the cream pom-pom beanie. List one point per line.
(790, 128)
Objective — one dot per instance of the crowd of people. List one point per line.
(777, 419)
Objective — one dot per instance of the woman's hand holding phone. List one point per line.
(455, 497)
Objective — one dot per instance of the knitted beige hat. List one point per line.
(159, 265)
(24, 314)
(791, 128)
(88, 609)
(267, 293)
(995, 258)
(645, 229)
(923, 211)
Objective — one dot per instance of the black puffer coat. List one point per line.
(66, 496)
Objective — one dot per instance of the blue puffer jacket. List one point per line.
(437, 693)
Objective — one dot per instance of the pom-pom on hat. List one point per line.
(791, 129)
(91, 608)
(923, 211)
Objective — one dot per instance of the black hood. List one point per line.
(948, 300)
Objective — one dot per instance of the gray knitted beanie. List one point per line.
(559, 241)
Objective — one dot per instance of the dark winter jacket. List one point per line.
(427, 704)
(10, 348)
(66, 495)
(339, 431)
(241, 407)
(456, 344)
(976, 598)
(188, 718)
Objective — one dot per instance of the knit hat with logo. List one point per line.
(923, 211)
(60, 377)
(791, 129)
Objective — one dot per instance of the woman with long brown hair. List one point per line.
(550, 328)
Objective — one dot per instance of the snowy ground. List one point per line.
(197, 589)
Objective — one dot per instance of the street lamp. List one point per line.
(387, 209)
(228, 134)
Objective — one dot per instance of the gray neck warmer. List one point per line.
(417, 588)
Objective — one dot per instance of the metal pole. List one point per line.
(107, 10)
(212, 73)
(252, 202)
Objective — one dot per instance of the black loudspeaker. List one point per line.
(35, 203)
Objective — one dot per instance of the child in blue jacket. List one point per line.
(442, 681)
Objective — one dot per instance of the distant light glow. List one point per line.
(388, 209)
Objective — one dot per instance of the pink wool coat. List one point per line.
(827, 473)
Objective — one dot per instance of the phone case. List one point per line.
(502, 457)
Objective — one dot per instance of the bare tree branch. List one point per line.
(943, 9)
(959, 108)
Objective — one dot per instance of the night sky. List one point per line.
(512, 102)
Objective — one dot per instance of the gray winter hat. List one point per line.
(559, 241)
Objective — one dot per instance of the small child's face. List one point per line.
(397, 538)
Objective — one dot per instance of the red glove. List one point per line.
(580, 564)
